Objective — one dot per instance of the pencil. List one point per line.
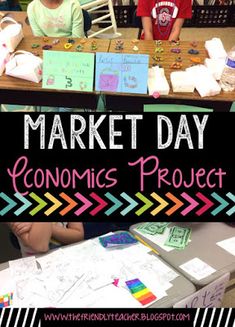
(146, 244)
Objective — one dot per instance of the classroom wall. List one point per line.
(7, 251)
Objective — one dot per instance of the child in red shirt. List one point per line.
(162, 20)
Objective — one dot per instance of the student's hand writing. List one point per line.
(20, 228)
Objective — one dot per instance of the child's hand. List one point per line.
(20, 228)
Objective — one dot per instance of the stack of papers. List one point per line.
(87, 275)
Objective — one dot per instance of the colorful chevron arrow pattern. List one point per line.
(124, 204)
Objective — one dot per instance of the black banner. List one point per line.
(125, 167)
(125, 317)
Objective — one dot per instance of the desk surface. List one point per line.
(148, 47)
(181, 288)
(203, 246)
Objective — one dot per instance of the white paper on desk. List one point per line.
(209, 296)
(228, 245)
(6, 282)
(204, 81)
(47, 260)
(215, 48)
(157, 81)
(21, 268)
(107, 297)
(158, 239)
(197, 268)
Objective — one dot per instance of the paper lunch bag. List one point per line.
(25, 65)
(12, 34)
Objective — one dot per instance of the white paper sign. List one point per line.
(228, 245)
(209, 296)
(197, 268)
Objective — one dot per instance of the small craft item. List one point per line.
(176, 50)
(193, 51)
(179, 59)
(156, 95)
(194, 44)
(117, 240)
(67, 46)
(135, 48)
(93, 45)
(36, 53)
(135, 41)
(175, 43)
(47, 47)
(79, 48)
(159, 50)
(176, 65)
(158, 43)
(83, 41)
(71, 41)
(45, 39)
(56, 41)
(157, 58)
(119, 45)
(195, 60)
(140, 292)
(6, 300)
(35, 45)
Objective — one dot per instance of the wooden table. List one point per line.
(220, 102)
(19, 91)
(15, 91)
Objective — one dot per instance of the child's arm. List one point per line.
(148, 28)
(77, 21)
(38, 237)
(176, 29)
(74, 233)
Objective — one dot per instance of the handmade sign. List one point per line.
(118, 239)
(140, 292)
(209, 296)
(68, 70)
(116, 72)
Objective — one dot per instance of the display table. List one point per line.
(203, 245)
(181, 286)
